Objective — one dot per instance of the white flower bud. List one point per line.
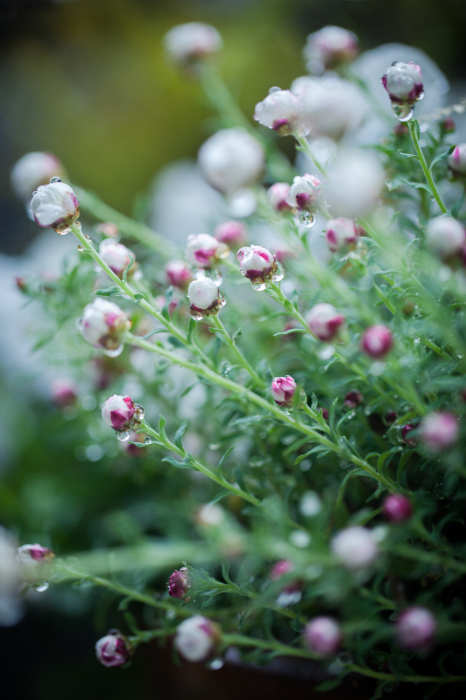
(329, 47)
(416, 628)
(304, 193)
(354, 184)
(457, 160)
(355, 547)
(277, 195)
(283, 112)
(178, 273)
(196, 638)
(116, 256)
(445, 236)
(325, 321)
(203, 250)
(403, 82)
(103, 324)
(55, 206)
(113, 650)
(30, 554)
(32, 170)
(341, 233)
(231, 159)
(191, 42)
(204, 296)
(323, 635)
(118, 412)
(439, 431)
(256, 263)
(232, 233)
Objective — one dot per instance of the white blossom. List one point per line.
(55, 206)
(283, 112)
(195, 638)
(231, 159)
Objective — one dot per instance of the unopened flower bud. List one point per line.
(416, 628)
(283, 112)
(196, 638)
(439, 431)
(31, 171)
(278, 194)
(304, 193)
(397, 508)
(108, 229)
(448, 125)
(116, 256)
(353, 399)
(205, 297)
(203, 250)
(323, 635)
(390, 417)
(178, 274)
(377, 341)
(405, 431)
(355, 547)
(192, 42)
(259, 265)
(103, 324)
(231, 159)
(280, 568)
(283, 390)
(403, 82)
(329, 47)
(445, 236)
(34, 553)
(64, 393)
(231, 233)
(21, 284)
(325, 321)
(341, 234)
(457, 160)
(55, 206)
(119, 412)
(401, 129)
(114, 649)
(325, 413)
(179, 584)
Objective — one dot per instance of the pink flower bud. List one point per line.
(401, 130)
(34, 553)
(304, 193)
(103, 324)
(445, 236)
(55, 206)
(283, 390)
(280, 568)
(283, 112)
(64, 393)
(258, 264)
(118, 412)
(323, 635)
(196, 638)
(178, 274)
(397, 508)
(205, 298)
(353, 399)
(21, 284)
(457, 160)
(203, 250)
(232, 233)
(116, 256)
(278, 194)
(108, 229)
(403, 82)
(231, 159)
(341, 234)
(439, 431)
(329, 47)
(416, 628)
(324, 321)
(179, 584)
(405, 431)
(325, 413)
(32, 170)
(114, 649)
(448, 125)
(191, 42)
(355, 547)
(377, 341)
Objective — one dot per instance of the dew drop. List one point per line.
(80, 248)
(403, 112)
(139, 413)
(55, 179)
(63, 231)
(215, 664)
(214, 275)
(274, 89)
(117, 351)
(40, 586)
(148, 441)
(279, 273)
(122, 435)
(307, 219)
(197, 316)
(259, 286)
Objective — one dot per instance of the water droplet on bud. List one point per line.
(122, 435)
(307, 219)
(403, 112)
(148, 441)
(55, 179)
(40, 586)
(117, 351)
(274, 89)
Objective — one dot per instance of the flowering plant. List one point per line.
(312, 431)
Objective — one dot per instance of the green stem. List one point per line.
(305, 147)
(239, 356)
(412, 124)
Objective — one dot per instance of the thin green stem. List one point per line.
(237, 353)
(306, 148)
(412, 124)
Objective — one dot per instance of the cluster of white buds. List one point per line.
(31, 171)
(196, 638)
(117, 256)
(341, 234)
(114, 649)
(188, 44)
(325, 321)
(329, 47)
(283, 112)
(356, 548)
(55, 206)
(457, 160)
(259, 265)
(403, 82)
(103, 325)
(205, 297)
(203, 250)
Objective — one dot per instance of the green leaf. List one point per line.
(149, 335)
(222, 460)
(180, 465)
(174, 341)
(442, 156)
(408, 155)
(417, 185)
(292, 330)
(237, 333)
(109, 292)
(168, 298)
(179, 435)
(139, 296)
(125, 272)
(191, 326)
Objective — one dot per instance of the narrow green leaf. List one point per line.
(125, 272)
(176, 463)
(179, 435)
(408, 155)
(109, 292)
(237, 333)
(442, 156)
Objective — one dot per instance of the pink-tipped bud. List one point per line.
(341, 234)
(416, 628)
(108, 229)
(119, 412)
(283, 112)
(205, 297)
(179, 584)
(329, 47)
(439, 431)
(103, 324)
(55, 206)
(355, 547)
(190, 43)
(325, 321)
(178, 274)
(353, 399)
(445, 236)
(325, 413)
(258, 264)
(203, 250)
(397, 508)
(283, 390)
(113, 650)
(64, 393)
(448, 125)
(403, 82)
(231, 233)
(32, 170)
(323, 635)
(457, 160)
(401, 130)
(34, 554)
(304, 193)
(21, 284)
(116, 256)
(277, 195)
(280, 568)
(196, 638)
(405, 432)
(377, 341)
